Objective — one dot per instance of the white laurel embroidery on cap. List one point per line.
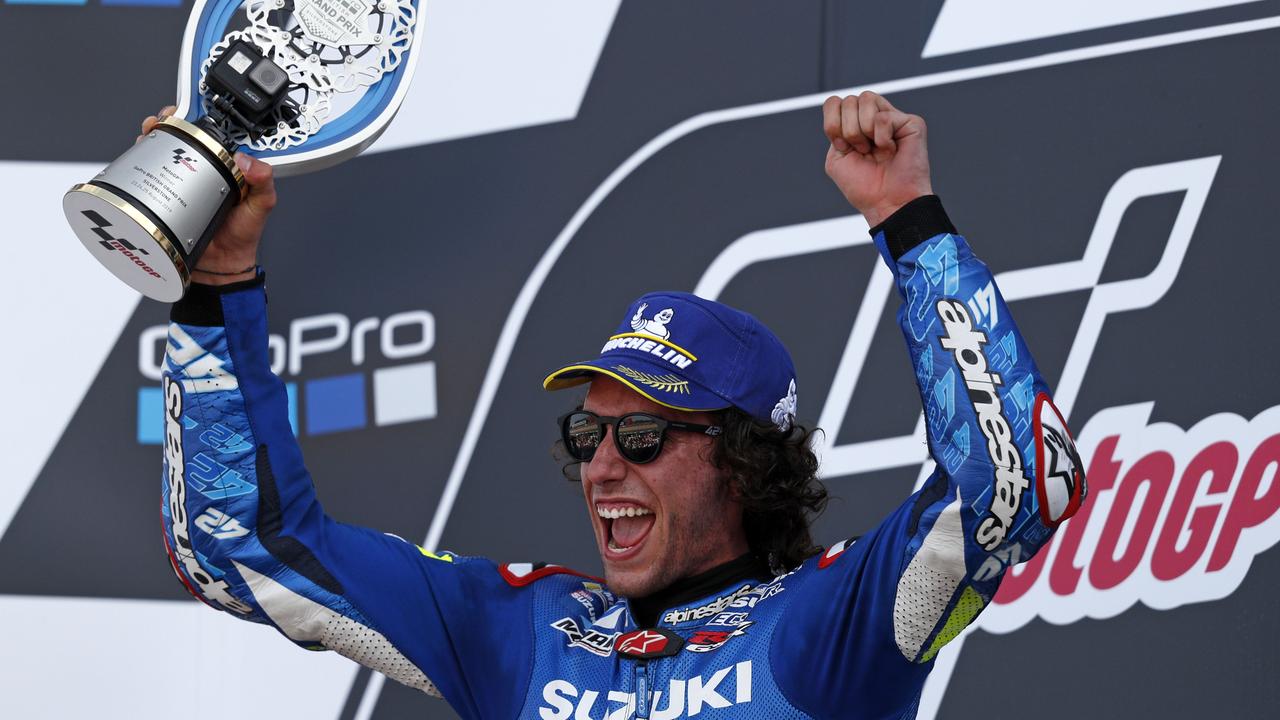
(785, 411)
(657, 327)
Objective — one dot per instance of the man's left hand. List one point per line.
(878, 155)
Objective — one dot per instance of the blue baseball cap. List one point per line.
(694, 354)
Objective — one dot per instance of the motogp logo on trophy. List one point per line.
(180, 157)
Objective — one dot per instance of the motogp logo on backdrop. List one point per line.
(1176, 516)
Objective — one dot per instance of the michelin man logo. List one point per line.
(657, 327)
(785, 411)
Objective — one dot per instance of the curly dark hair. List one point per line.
(775, 475)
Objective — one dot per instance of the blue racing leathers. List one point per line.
(850, 633)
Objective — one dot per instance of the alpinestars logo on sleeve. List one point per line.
(965, 343)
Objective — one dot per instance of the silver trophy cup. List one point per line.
(299, 84)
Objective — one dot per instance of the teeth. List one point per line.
(615, 513)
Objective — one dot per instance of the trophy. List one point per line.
(299, 84)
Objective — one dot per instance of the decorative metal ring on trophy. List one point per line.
(299, 84)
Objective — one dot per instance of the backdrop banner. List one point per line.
(1113, 166)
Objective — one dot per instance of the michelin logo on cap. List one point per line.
(656, 327)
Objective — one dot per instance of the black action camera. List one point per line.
(246, 86)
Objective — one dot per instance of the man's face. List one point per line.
(677, 517)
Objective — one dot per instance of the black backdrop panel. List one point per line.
(1023, 159)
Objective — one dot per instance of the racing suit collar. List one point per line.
(726, 577)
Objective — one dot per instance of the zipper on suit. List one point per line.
(642, 690)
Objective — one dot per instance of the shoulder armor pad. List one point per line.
(835, 552)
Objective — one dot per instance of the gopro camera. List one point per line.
(252, 83)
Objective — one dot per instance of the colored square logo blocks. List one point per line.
(335, 404)
(401, 394)
(404, 393)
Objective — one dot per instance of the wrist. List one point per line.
(910, 225)
(210, 276)
(217, 268)
(202, 303)
(877, 214)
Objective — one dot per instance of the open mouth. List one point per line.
(626, 525)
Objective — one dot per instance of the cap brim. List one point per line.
(651, 380)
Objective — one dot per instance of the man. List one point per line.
(698, 481)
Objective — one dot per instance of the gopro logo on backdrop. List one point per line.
(335, 403)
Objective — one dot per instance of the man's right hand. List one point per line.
(235, 243)
(878, 155)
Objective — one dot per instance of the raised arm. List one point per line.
(1006, 471)
(246, 534)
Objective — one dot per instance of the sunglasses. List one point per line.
(638, 436)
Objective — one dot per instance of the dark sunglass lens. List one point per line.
(582, 435)
(640, 437)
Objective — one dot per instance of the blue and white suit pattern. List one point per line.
(850, 633)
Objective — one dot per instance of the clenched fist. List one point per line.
(878, 155)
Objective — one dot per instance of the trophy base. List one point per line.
(128, 243)
(149, 215)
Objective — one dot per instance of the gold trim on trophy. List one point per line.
(155, 231)
(213, 146)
